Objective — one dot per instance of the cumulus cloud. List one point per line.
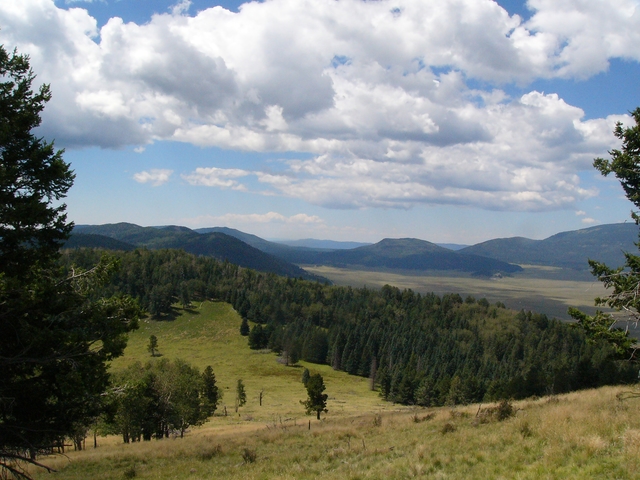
(380, 93)
(155, 177)
(216, 177)
(255, 218)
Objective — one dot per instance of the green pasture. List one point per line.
(209, 334)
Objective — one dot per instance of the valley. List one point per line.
(579, 435)
(549, 290)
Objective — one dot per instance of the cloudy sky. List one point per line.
(446, 120)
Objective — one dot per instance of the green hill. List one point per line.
(414, 254)
(214, 244)
(605, 243)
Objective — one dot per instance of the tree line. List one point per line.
(416, 348)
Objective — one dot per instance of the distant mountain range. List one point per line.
(604, 243)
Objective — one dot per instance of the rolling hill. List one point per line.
(413, 254)
(399, 254)
(573, 249)
(214, 244)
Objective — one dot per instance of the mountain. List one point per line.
(90, 240)
(605, 243)
(214, 244)
(288, 253)
(414, 254)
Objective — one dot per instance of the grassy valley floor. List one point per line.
(547, 290)
(587, 434)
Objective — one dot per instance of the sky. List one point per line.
(452, 121)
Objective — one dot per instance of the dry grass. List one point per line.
(580, 435)
(541, 289)
(589, 434)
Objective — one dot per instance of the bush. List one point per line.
(249, 456)
(448, 428)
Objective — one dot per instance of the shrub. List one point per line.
(448, 428)
(249, 456)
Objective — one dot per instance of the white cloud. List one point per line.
(155, 177)
(581, 213)
(254, 218)
(216, 177)
(378, 92)
(589, 221)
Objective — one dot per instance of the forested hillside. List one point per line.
(417, 349)
(214, 244)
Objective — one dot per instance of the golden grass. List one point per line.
(581, 435)
(588, 434)
(540, 289)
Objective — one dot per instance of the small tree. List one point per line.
(316, 401)
(153, 345)
(210, 391)
(305, 376)
(244, 328)
(241, 395)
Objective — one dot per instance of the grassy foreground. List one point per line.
(587, 434)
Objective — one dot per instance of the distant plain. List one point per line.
(549, 290)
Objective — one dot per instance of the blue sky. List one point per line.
(450, 121)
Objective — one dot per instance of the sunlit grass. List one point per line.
(587, 434)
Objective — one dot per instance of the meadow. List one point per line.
(586, 434)
(549, 290)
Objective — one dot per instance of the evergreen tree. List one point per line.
(210, 391)
(623, 281)
(244, 328)
(56, 335)
(152, 346)
(316, 401)
(305, 376)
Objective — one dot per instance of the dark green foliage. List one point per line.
(57, 333)
(244, 328)
(316, 400)
(217, 245)
(623, 281)
(158, 399)
(210, 392)
(305, 376)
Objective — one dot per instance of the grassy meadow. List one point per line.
(549, 290)
(587, 434)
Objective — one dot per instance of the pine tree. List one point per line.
(56, 336)
(316, 401)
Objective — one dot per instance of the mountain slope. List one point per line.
(214, 244)
(414, 254)
(90, 240)
(605, 243)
